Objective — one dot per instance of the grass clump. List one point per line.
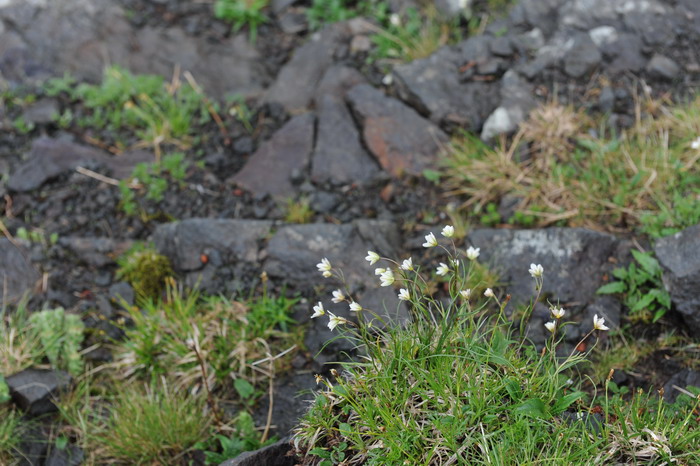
(461, 384)
(10, 433)
(145, 270)
(143, 107)
(558, 174)
(241, 13)
(298, 211)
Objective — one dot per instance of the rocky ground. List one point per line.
(353, 138)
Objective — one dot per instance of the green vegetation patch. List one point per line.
(146, 271)
(556, 173)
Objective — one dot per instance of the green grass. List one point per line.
(644, 179)
(241, 13)
(460, 384)
(137, 110)
(10, 433)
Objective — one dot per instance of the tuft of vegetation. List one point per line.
(154, 425)
(143, 106)
(298, 211)
(642, 286)
(152, 180)
(19, 343)
(461, 384)
(558, 173)
(10, 433)
(146, 271)
(60, 335)
(242, 13)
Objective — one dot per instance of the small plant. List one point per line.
(10, 434)
(155, 425)
(60, 335)
(298, 211)
(682, 213)
(243, 438)
(152, 180)
(145, 270)
(241, 13)
(23, 126)
(19, 344)
(461, 384)
(642, 286)
(37, 236)
(4, 390)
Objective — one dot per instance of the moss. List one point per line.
(146, 271)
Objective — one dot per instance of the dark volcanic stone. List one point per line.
(679, 255)
(17, 275)
(96, 252)
(185, 242)
(72, 455)
(271, 455)
(682, 379)
(269, 169)
(627, 53)
(583, 57)
(337, 81)
(663, 67)
(402, 140)
(339, 156)
(34, 390)
(42, 111)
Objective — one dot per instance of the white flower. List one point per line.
(338, 297)
(355, 307)
(466, 294)
(387, 278)
(325, 267)
(455, 263)
(558, 312)
(448, 231)
(551, 326)
(335, 321)
(407, 264)
(695, 144)
(443, 269)
(404, 295)
(536, 270)
(489, 293)
(599, 323)
(395, 19)
(318, 310)
(430, 241)
(372, 257)
(379, 271)
(472, 253)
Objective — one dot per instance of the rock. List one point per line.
(603, 36)
(400, 139)
(516, 103)
(583, 57)
(663, 67)
(271, 455)
(292, 396)
(532, 40)
(541, 14)
(72, 455)
(339, 157)
(52, 32)
(50, 157)
(679, 255)
(96, 252)
(17, 275)
(453, 8)
(41, 111)
(336, 82)
(501, 121)
(34, 390)
(185, 242)
(627, 54)
(121, 291)
(293, 22)
(574, 260)
(288, 150)
(502, 47)
(435, 87)
(683, 379)
(296, 82)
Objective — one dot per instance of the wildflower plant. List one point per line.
(460, 383)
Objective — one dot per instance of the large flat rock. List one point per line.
(17, 275)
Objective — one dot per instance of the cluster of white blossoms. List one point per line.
(387, 278)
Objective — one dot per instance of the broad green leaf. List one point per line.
(643, 303)
(612, 288)
(565, 401)
(662, 297)
(533, 407)
(244, 388)
(620, 273)
(513, 389)
(647, 262)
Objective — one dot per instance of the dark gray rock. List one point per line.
(34, 390)
(269, 170)
(662, 67)
(626, 54)
(271, 455)
(517, 101)
(656, 26)
(50, 157)
(41, 111)
(17, 275)
(336, 81)
(435, 86)
(583, 57)
(185, 242)
(452, 9)
(96, 252)
(502, 47)
(339, 156)
(121, 291)
(679, 255)
(402, 141)
(683, 379)
(541, 14)
(72, 455)
(575, 260)
(292, 396)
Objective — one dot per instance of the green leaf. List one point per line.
(662, 297)
(565, 401)
(643, 303)
(534, 407)
(244, 388)
(513, 389)
(620, 273)
(658, 314)
(345, 428)
(612, 288)
(647, 262)
(432, 176)
(4, 390)
(340, 390)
